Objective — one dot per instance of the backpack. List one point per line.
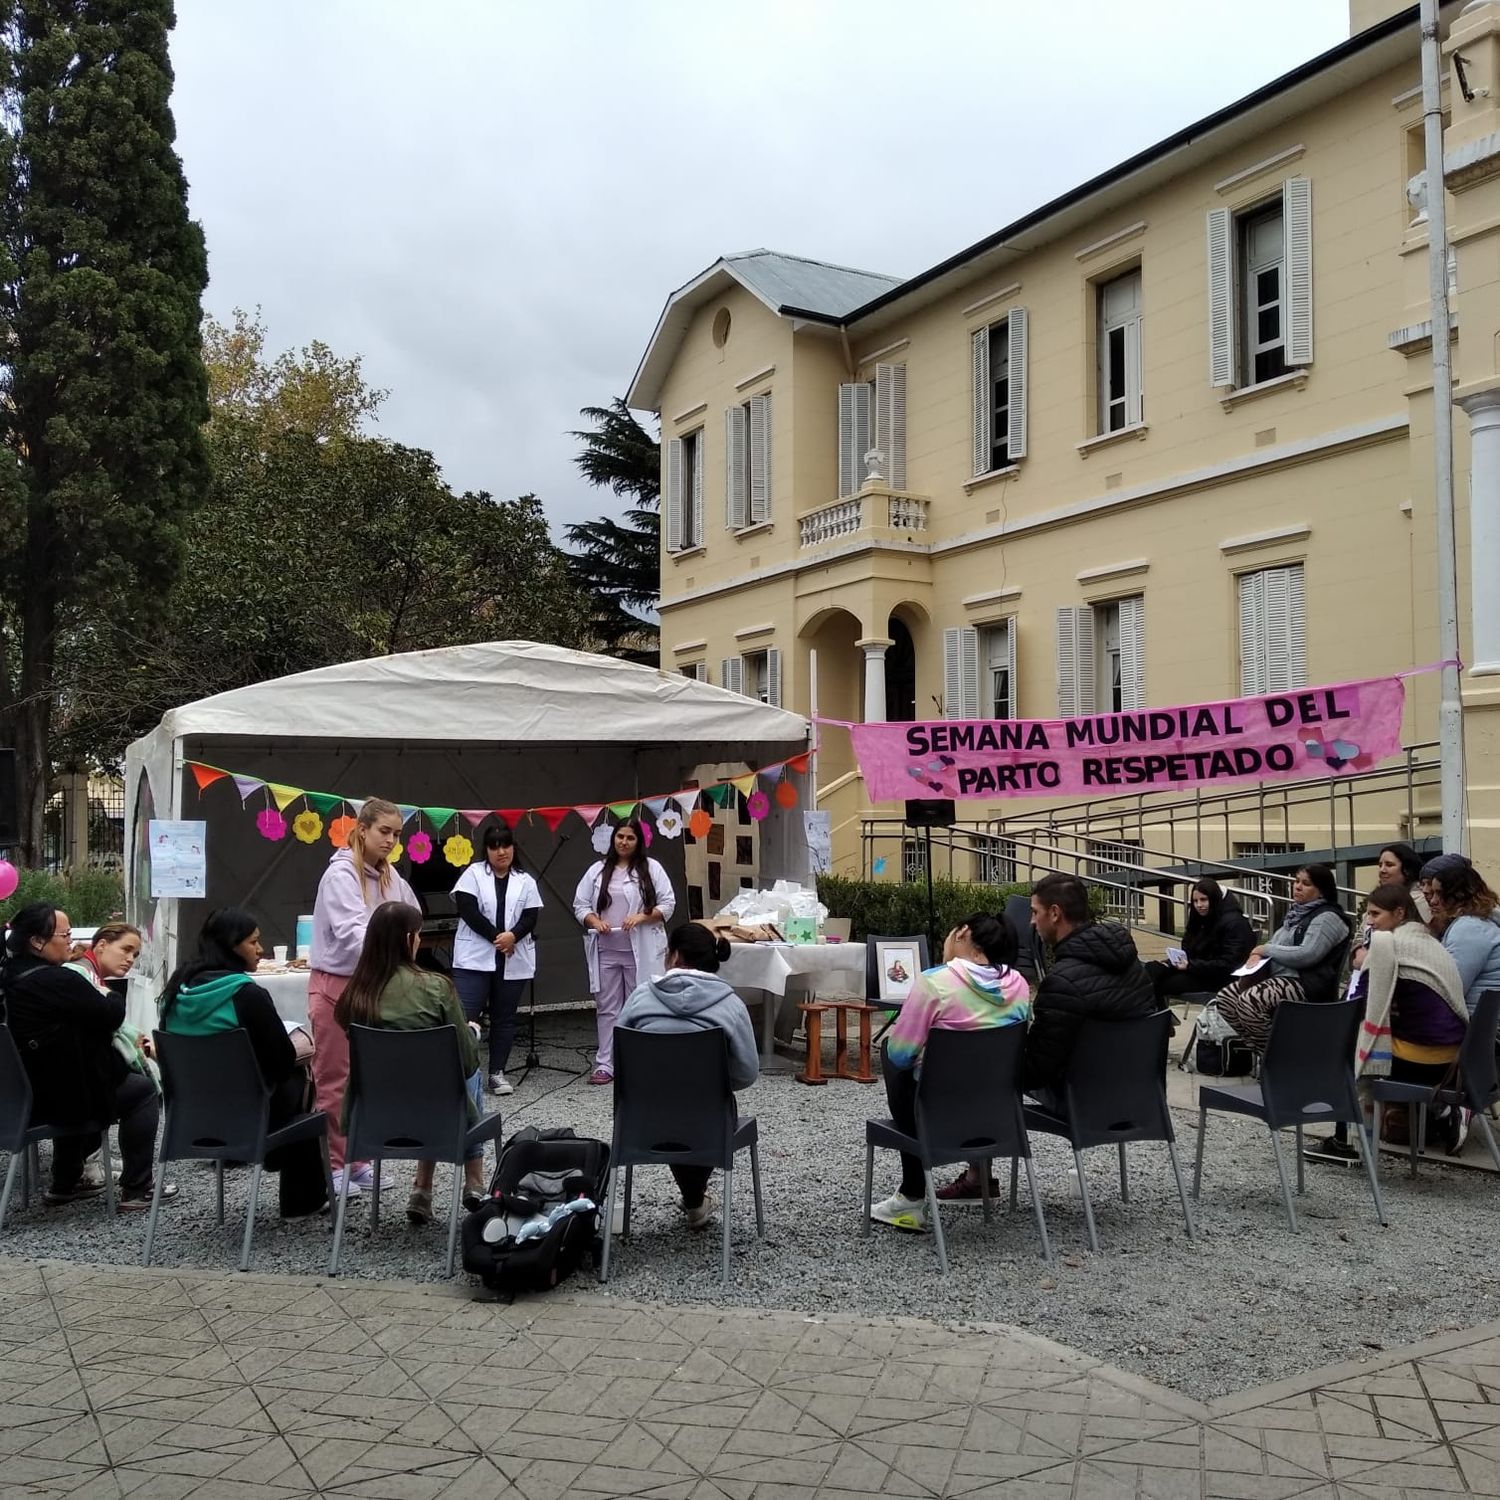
(541, 1216)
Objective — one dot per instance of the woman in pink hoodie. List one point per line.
(357, 880)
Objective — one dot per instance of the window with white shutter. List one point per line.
(1273, 631)
(736, 467)
(1120, 663)
(673, 491)
(1075, 661)
(760, 459)
(773, 677)
(1296, 208)
(998, 643)
(1118, 341)
(697, 670)
(732, 674)
(1132, 616)
(685, 492)
(856, 428)
(890, 422)
(998, 364)
(761, 676)
(961, 673)
(693, 465)
(1220, 298)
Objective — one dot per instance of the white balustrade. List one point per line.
(843, 518)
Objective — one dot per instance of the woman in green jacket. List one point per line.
(388, 989)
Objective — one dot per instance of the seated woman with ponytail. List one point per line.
(975, 988)
(214, 992)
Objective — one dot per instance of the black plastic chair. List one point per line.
(1306, 1078)
(20, 1136)
(1030, 949)
(1114, 1092)
(674, 1107)
(872, 972)
(968, 1110)
(1477, 1086)
(408, 1101)
(217, 1107)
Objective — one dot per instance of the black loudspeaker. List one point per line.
(929, 812)
(10, 833)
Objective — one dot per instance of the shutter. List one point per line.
(1252, 635)
(674, 494)
(1013, 706)
(961, 673)
(1133, 652)
(1296, 219)
(1017, 330)
(760, 459)
(979, 351)
(773, 677)
(1075, 662)
(1135, 407)
(890, 421)
(854, 435)
(1296, 628)
(732, 674)
(735, 508)
(1220, 298)
(694, 487)
(1277, 630)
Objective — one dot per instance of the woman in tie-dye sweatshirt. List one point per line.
(975, 988)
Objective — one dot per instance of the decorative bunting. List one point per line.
(308, 827)
(458, 851)
(669, 824)
(510, 816)
(589, 812)
(718, 793)
(744, 785)
(283, 795)
(552, 816)
(440, 817)
(271, 824)
(475, 815)
(339, 831)
(247, 786)
(324, 802)
(772, 773)
(785, 794)
(700, 823)
(622, 810)
(656, 805)
(602, 837)
(757, 805)
(407, 813)
(205, 776)
(419, 846)
(686, 802)
(394, 857)
(799, 764)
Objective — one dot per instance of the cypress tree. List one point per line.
(102, 390)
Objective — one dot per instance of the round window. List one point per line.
(721, 328)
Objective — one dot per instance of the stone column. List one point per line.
(1482, 403)
(875, 648)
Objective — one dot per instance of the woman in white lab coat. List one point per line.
(494, 952)
(624, 902)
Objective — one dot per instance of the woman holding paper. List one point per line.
(1302, 961)
(624, 902)
(1215, 940)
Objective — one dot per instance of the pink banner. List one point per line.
(1330, 730)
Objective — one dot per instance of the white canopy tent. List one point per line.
(504, 724)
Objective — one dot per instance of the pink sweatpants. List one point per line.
(330, 1055)
(616, 981)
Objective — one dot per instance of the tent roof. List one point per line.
(498, 690)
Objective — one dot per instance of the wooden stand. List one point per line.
(812, 1013)
(812, 1025)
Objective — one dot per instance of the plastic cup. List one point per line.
(279, 953)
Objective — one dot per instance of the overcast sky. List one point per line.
(491, 199)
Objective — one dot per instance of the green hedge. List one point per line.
(899, 907)
(88, 896)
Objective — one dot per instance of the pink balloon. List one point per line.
(10, 878)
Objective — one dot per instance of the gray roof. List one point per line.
(794, 282)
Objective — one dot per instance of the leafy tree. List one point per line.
(618, 565)
(102, 389)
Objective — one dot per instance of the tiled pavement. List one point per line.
(120, 1382)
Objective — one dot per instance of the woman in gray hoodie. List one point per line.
(690, 996)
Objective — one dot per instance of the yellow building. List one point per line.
(1165, 439)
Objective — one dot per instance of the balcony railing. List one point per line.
(872, 512)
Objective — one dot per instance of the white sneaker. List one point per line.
(498, 1085)
(700, 1217)
(338, 1183)
(363, 1176)
(901, 1212)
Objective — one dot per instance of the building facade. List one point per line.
(1166, 439)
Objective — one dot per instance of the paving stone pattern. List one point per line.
(121, 1382)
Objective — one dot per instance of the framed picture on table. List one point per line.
(897, 966)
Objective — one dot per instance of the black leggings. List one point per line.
(901, 1099)
(138, 1109)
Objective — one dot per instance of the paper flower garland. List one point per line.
(669, 824)
(699, 823)
(458, 851)
(308, 827)
(271, 824)
(601, 837)
(646, 835)
(786, 794)
(757, 805)
(396, 852)
(339, 830)
(419, 846)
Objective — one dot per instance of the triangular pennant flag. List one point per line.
(744, 785)
(718, 793)
(205, 776)
(657, 806)
(798, 763)
(246, 785)
(407, 813)
(686, 801)
(510, 816)
(622, 810)
(589, 812)
(323, 802)
(771, 772)
(440, 817)
(475, 815)
(552, 816)
(283, 795)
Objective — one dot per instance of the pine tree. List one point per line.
(102, 390)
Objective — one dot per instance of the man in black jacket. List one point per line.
(1095, 975)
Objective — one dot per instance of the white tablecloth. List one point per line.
(829, 968)
(289, 994)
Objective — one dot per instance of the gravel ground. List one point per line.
(1246, 1303)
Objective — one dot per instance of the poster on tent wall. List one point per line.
(1347, 727)
(179, 857)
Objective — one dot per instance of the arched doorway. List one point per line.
(900, 673)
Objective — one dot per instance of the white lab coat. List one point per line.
(470, 951)
(648, 941)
